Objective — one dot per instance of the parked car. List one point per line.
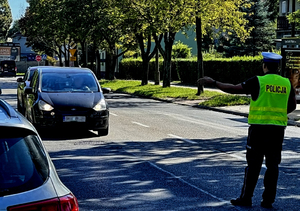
(67, 96)
(22, 83)
(28, 179)
(8, 68)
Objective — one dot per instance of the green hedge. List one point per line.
(232, 70)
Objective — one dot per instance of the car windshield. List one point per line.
(69, 82)
(23, 162)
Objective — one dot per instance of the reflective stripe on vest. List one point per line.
(271, 105)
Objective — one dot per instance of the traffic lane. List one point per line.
(234, 147)
(186, 121)
(167, 120)
(104, 175)
(8, 86)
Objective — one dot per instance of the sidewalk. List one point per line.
(242, 110)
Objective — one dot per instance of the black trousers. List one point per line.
(263, 141)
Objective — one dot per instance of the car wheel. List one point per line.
(103, 132)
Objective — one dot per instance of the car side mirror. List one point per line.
(20, 80)
(106, 90)
(28, 90)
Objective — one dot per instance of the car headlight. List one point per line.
(45, 106)
(101, 105)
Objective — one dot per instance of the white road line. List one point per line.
(183, 181)
(183, 139)
(140, 124)
(113, 114)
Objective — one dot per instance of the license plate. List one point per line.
(74, 119)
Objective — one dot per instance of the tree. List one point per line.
(273, 9)
(138, 19)
(169, 17)
(219, 14)
(5, 19)
(46, 31)
(294, 18)
(263, 33)
(14, 29)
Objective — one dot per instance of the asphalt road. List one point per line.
(163, 156)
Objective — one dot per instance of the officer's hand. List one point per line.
(205, 80)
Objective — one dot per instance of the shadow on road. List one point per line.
(141, 175)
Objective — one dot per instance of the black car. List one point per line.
(22, 83)
(8, 68)
(66, 96)
(28, 179)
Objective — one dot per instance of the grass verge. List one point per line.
(208, 98)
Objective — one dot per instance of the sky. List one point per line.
(17, 8)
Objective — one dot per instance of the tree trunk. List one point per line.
(86, 54)
(156, 73)
(111, 61)
(145, 70)
(169, 38)
(83, 60)
(98, 65)
(199, 53)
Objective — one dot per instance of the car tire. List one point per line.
(103, 132)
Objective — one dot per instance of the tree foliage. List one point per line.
(93, 24)
(262, 33)
(294, 17)
(5, 18)
(13, 29)
(121, 24)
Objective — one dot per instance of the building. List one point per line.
(25, 51)
(284, 28)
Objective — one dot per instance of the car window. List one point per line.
(34, 81)
(30, 74)
(69, 82)
(26, 75)
(23, 162)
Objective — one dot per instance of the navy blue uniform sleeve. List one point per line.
(251, 86)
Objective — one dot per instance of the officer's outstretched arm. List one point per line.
(226, 87)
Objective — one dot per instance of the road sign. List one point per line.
(73, 58)
(38, 58)
(72, 51)
(44, 57)
(72, 45)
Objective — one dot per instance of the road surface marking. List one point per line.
(185, 182)
(183, 139)
(140, 124)
(113, 114)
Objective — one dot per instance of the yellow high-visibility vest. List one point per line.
(270, 108)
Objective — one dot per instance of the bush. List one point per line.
(231, 70)
(180, 50)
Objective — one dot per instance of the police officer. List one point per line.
(272, 98)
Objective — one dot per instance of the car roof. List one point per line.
(9, 117)
(65, 70)
(36, 67)
(10, 61)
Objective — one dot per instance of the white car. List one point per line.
(28, 179)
